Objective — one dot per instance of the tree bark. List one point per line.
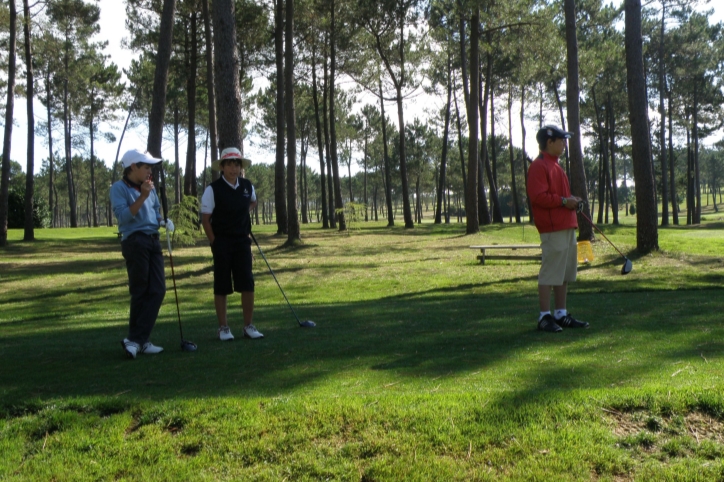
(445, 135)
(662, 115)
(388, 174)
(338, 204)
(29, 234)
(51, 160)
(672, 168)
(512, 155)
(471, 200)
(160, 78)
(484, 163)
(190, 174)
(646, 215)
(577, 172)
(211, 90)
(320, 145)
(293, 230)
(279, 170)
(8, 134)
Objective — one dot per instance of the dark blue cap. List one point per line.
(551, 132)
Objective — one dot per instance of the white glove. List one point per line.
(168, 225)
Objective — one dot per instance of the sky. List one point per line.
(113, 30)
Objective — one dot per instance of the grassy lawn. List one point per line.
(424, 364)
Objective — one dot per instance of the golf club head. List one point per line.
(627, 266)
(307, 324)
(188, 346)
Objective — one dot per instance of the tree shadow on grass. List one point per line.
(444, 333)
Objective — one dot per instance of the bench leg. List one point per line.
(482, 256)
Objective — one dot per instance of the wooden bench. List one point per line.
(513, 247)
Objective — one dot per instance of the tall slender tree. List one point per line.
(647, 238)
(575, 150)
(8, 134)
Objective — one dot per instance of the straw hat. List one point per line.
(230, 153)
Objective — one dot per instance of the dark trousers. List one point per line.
(146, 283)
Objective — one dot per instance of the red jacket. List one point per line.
(547, 186)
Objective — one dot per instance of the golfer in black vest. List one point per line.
(225, 208)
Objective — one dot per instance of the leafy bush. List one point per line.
(185, 217)
(352, 214)
(16, 211)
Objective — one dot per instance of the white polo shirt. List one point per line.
(207, 200)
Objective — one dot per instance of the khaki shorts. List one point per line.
(560, 258)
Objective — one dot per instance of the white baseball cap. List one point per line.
(134, 156)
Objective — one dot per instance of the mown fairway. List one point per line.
(424, 365)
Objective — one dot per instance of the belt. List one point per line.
(152, 236)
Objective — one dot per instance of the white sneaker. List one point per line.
(150, 349)
(250, 331)
(225, 333)
(131, 348)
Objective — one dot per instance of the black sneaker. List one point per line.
(569, 322)
(547, 323)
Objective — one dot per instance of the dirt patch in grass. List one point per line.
(699, 426)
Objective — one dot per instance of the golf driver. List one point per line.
(627, 264)
(302, 324)
(185, 345)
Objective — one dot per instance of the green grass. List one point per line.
(425, 365)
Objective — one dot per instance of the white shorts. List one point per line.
(560, 258)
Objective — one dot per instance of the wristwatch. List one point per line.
(564, 201)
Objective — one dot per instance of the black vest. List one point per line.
(231, 208)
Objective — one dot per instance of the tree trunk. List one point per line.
(158, 99)
(51, 160)
(94, 194)
(339, 206)
(577, 172)
(293, 230)
(445, 135)
(646, 216)
(471, 201)
(524, 154)
(512, 155)
(563, 125)
(279, 171)
(672, 168)
(497, 215)
(696, 217)
(662, 115)
(210, 89)
(67, 144)
(320, 145)
(612, 150)
(364, 166)
(460, 144)
(8, 134)
(388, 174)
(190, 173)
(29, 234)
(176, 162)
(327, 149)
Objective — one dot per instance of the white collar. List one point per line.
(232, 185)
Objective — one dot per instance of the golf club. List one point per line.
(185, 345)
(303, 324)
(627, 264)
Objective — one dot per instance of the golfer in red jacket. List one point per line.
(554, 213)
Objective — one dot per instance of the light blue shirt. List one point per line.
(147, 219)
